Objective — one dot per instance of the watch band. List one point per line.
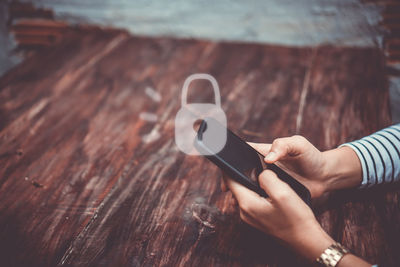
(332, 255)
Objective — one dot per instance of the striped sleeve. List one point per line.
(379, 154)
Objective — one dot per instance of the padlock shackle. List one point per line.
(200, 76)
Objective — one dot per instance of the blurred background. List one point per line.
(354, 23)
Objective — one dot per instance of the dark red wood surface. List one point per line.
(82, 184)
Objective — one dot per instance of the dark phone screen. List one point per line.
(236, 153)
(241, 155)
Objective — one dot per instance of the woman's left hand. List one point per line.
(283, 215)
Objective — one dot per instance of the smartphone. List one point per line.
(240, 161)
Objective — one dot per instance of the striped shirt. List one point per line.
(379, 154)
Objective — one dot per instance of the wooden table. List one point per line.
(88, 180)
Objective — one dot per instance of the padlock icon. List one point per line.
(189, 114)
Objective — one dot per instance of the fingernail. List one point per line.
(270, 156)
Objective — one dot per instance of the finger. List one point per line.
(233, 201)
(262, 148)
(224, 188)
(285, 147)
(279, 191)
(247, 199)
(239, 192)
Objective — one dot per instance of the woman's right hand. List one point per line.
(319, 171)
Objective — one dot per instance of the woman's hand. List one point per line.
(319, 171)
(300, 159)
(283, 215)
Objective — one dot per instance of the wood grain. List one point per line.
(84, 184)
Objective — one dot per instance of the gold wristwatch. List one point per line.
(332, 255)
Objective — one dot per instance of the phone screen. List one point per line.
(243, 157)
(236, 158)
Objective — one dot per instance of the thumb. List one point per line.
(260, 147)
(285, 147)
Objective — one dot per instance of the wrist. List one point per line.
(342, 169)
(312, 241)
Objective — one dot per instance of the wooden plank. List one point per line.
(42, 144)
(101, 191)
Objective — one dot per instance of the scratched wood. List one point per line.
(86, 181)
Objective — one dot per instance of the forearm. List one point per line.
(378, 156)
